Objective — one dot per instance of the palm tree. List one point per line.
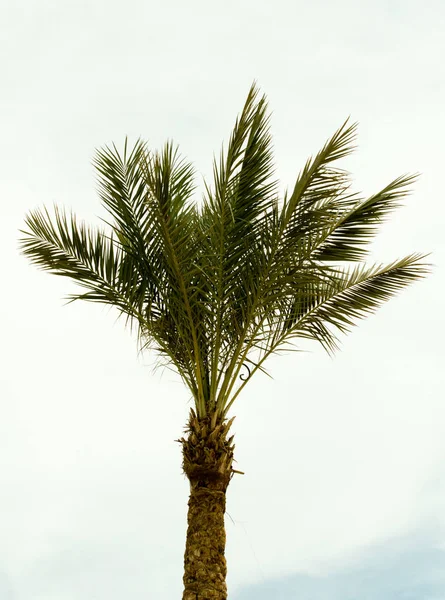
(217, 288)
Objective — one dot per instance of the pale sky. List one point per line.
(344, 491)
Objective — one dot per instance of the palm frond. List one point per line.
(319, 184)
(169, 182)
(231, 218)
(347, 238)
(65, 247)
(218, 289)
(353, 294)
(122, 190)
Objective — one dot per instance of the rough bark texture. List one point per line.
(204, 561)
(207, 462)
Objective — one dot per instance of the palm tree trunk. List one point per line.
(204, 561)
(207, 462)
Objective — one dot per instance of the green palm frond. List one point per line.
(351, 295)
(223, 287)
(169, 187)
(232, 218)
(65, 247)
(320, 186)
(325, 302)
(346, 239)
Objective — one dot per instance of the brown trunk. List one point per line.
(207, 462)
(204, 561)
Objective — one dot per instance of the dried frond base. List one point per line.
(208, 453)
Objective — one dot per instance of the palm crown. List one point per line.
(226, 284)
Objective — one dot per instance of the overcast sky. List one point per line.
(344, 491)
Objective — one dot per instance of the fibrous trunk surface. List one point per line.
(207, 462)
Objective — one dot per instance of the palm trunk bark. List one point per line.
(204, 561)
(207, 462)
